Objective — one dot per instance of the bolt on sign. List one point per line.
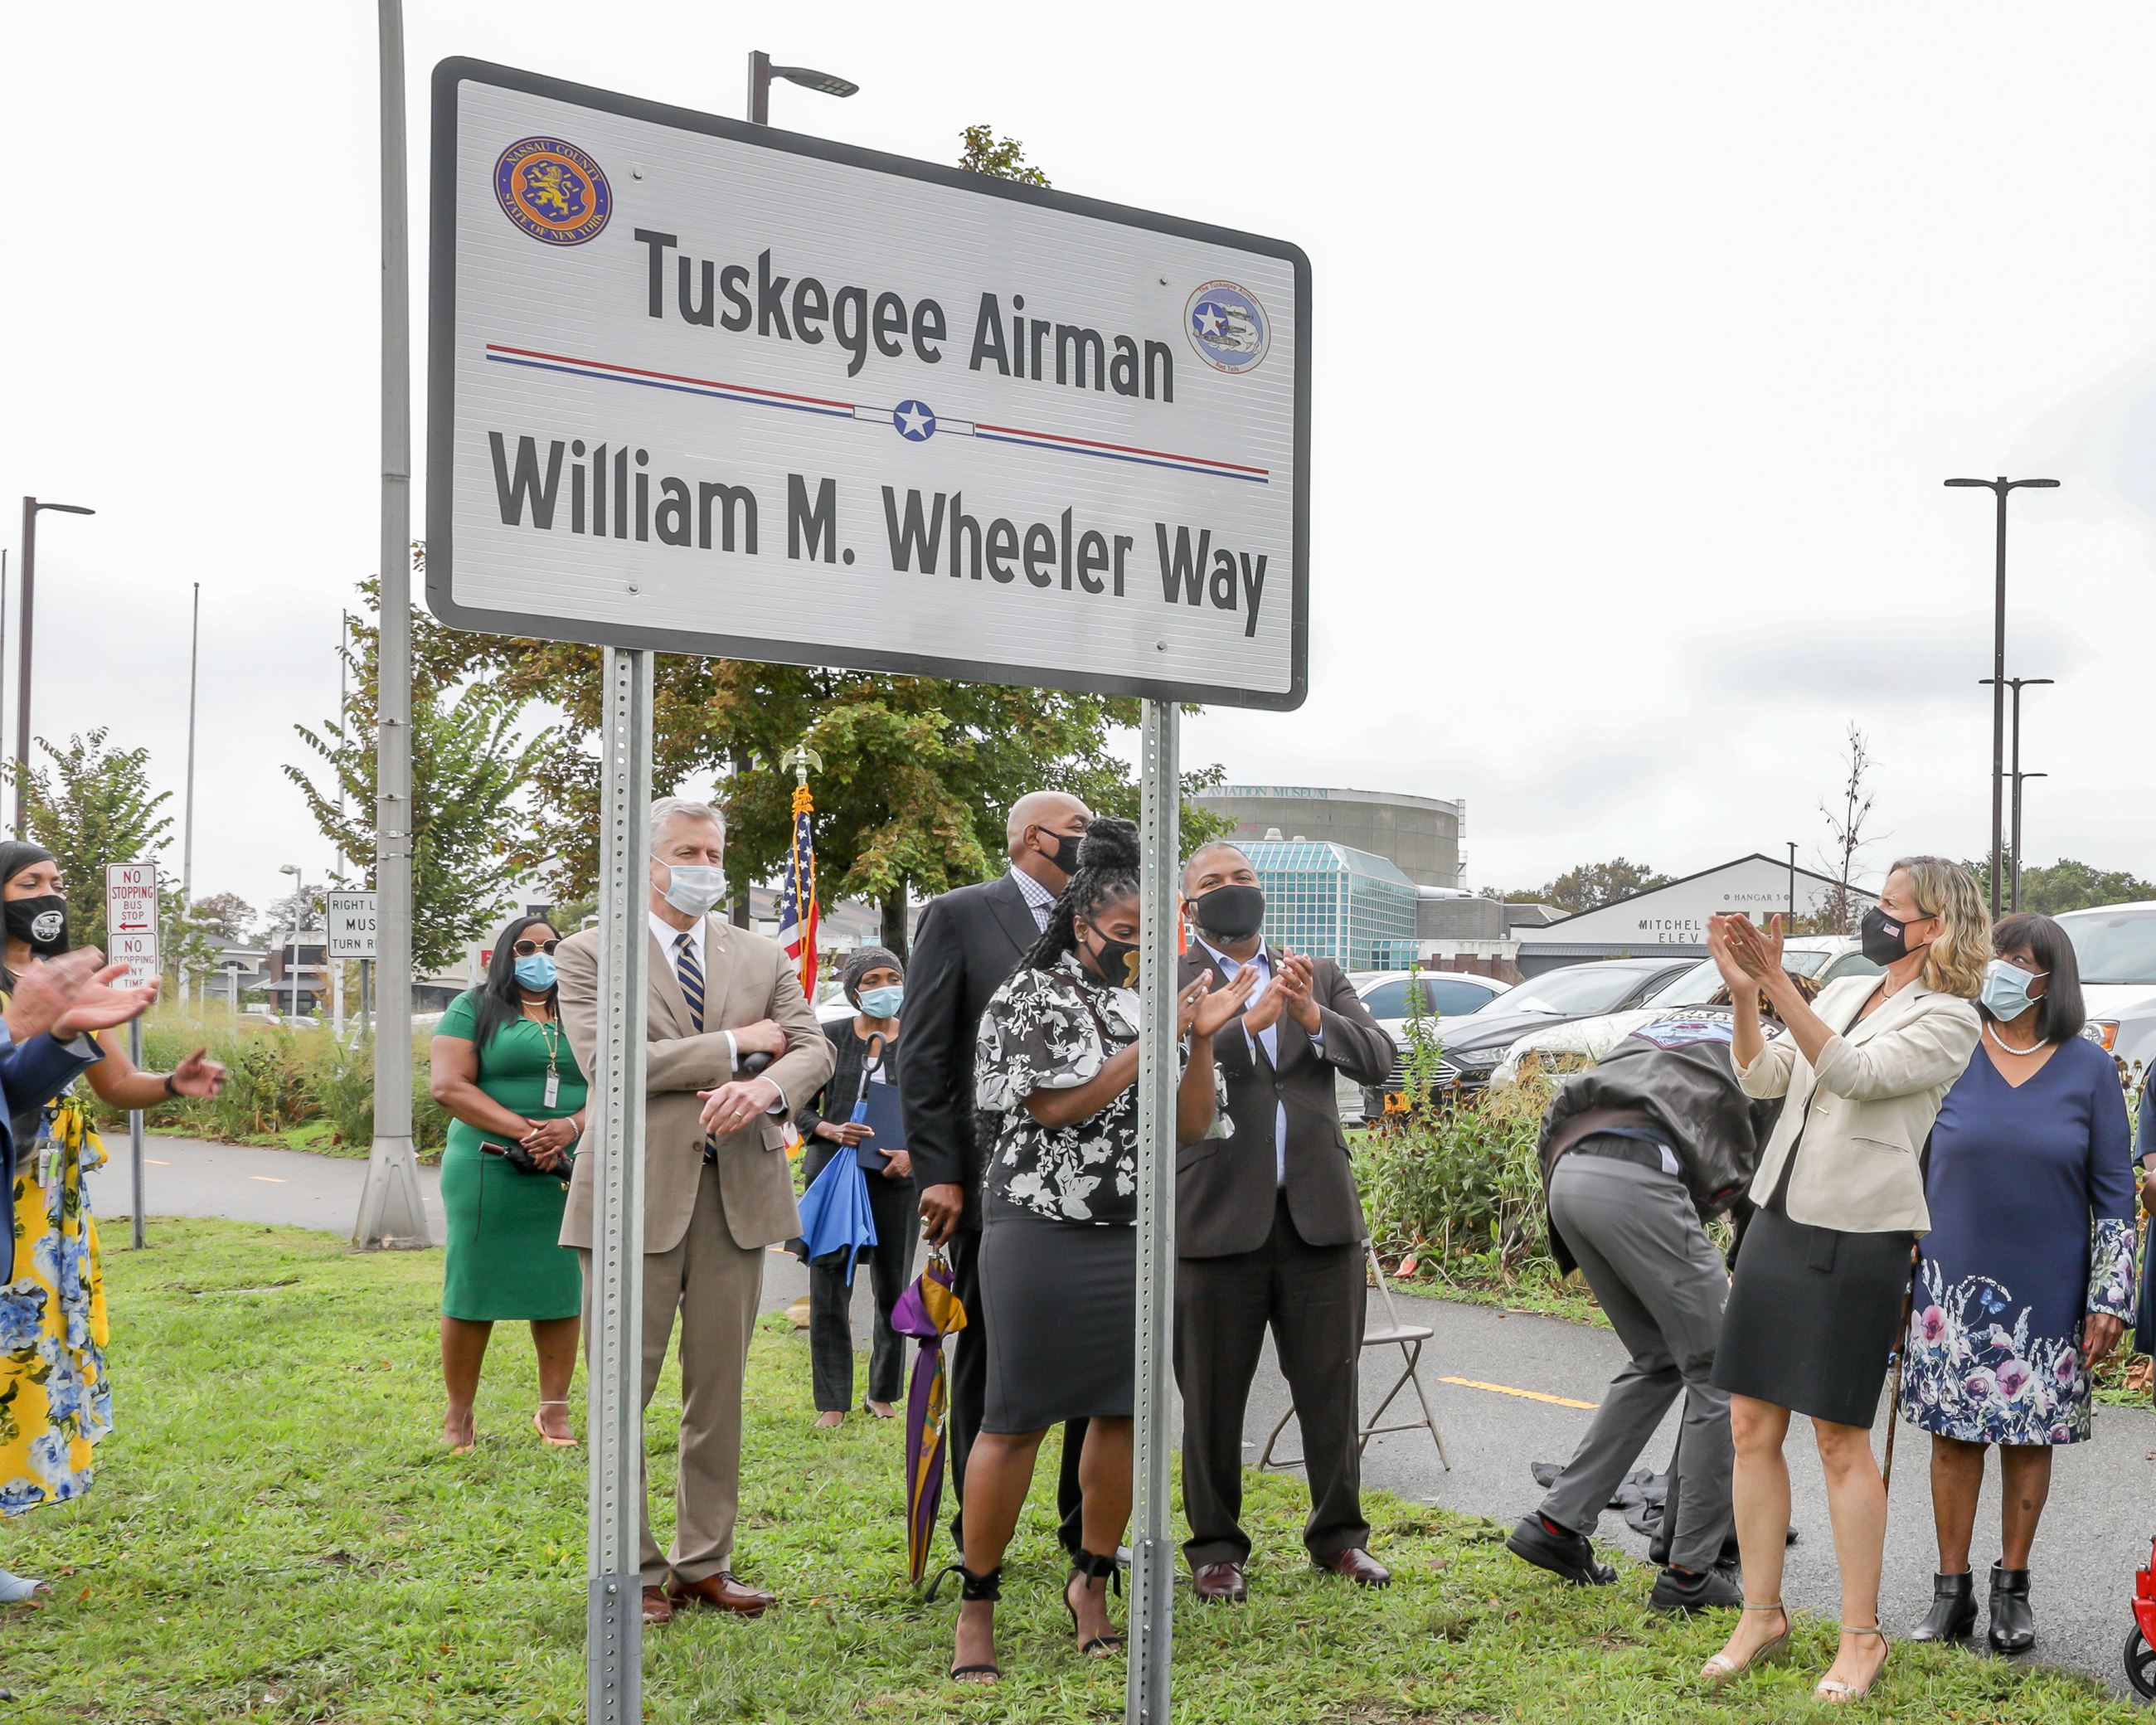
(131, 920)
(714, 389)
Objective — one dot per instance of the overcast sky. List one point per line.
(1643, 337)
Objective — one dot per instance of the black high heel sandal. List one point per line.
(989, 1586)
(1084, 1567)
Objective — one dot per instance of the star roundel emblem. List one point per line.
(915, 421)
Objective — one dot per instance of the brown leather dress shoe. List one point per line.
(721, 1592)
(1357, 1565)
(658, 1611)
(1220, 1582)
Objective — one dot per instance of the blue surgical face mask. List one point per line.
(693, 888)
(883, 1003)
(536, 971)
(2006, 988)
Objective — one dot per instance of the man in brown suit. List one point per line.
(718, 1187)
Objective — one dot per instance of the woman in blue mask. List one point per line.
(502, 1067)
(864, 1083)
(2026, 1279)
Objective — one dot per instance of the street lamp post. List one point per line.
(760, 72)
(2001, 486)
(299, 890)
(2017, 684)
(31, 507)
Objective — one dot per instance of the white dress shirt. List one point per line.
(1227, 969)
(668, 938)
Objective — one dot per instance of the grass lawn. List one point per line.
(275, 1535)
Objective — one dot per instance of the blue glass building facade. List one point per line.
(1335, 902)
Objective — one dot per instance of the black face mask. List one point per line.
(1116, 963)
(41, 921)
(1064, 848)
(1884, 938)
(1233, 913)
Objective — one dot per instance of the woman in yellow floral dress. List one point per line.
(55, 1398)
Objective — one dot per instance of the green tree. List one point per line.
(1587, 887)
(2068, 885)
(187, 940)
(225, 914)
(90, 805)
(985, 153)
(470, 765)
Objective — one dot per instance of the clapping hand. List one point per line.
(196, 1075)
(1295, 984)
(1213, 1009)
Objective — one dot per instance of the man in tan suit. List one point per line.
(718, 1187)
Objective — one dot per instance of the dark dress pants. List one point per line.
(889, 1264)
(968, 1393)
(1311, 1298)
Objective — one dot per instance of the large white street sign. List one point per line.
(351, 925)
(131, 920)
(715, 389)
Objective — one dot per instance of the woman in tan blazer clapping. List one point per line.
(1816, 1302)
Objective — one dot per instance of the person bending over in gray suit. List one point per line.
(718, 1187)
(1637, 1153)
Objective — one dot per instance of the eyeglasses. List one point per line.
(525, 949)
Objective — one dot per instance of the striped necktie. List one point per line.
(691, 975)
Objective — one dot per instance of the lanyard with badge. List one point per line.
(552, 1032)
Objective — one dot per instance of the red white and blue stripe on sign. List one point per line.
(912, 420)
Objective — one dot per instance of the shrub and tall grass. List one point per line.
(1451, 1188)
(283, 1085)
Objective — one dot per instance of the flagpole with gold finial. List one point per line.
(802, 759)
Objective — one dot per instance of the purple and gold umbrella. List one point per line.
(927, 1311)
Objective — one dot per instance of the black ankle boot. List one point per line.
(2013, 1626)
(1952, 1615)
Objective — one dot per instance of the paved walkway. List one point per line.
(1508, 1388)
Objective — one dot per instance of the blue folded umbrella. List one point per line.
(834, 1214)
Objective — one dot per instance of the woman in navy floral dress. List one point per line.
(2026, 1279)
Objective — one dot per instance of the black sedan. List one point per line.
(1578, 990)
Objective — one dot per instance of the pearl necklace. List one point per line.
(2003, 1046)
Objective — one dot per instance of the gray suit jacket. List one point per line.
(745, 978)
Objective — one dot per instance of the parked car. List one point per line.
(2117, 946)
(1472, 1051)
(1827, 956)
(1449, 994)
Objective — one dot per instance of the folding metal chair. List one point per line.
(1408, 1338)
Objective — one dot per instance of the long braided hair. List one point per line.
(1107, 873)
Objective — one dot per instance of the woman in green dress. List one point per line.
(502, 1068)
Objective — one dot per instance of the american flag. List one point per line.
(796, 898)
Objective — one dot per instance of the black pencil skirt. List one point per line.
(1061, 1305)
(1813, 1314)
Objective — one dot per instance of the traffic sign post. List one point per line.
(705, 387)
(131, 938)
(353, 920)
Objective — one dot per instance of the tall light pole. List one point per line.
(2001, 486)
(2017, 684)
(187, 843)
(31, 508)
(298, 891)
(391, 1213)
(762, 72)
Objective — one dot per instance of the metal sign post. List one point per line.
(1152, 1546)
(614, 1607)
(352, 924)
(131, 938)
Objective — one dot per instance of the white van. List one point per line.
(2117, 946)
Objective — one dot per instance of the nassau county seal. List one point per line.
(1228, 327)
(552, 191)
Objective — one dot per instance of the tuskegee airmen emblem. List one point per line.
(1227, 327)
(552, 191)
